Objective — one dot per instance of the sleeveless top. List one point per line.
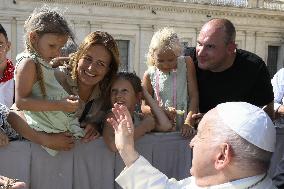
(50, 121)
(170, 88)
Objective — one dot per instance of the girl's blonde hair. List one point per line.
(42, 21)
(97, 38)
(165, 39)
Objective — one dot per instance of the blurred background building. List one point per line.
(259, 23)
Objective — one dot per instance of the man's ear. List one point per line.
(224, 157)
(231, 47)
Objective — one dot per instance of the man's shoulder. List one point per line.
(249, 58)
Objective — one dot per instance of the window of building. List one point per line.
(272, 59)
(123, 46)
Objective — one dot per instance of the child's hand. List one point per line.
(171, 113)
(91, 133)
(149, 123)
(4, 140)
(187, 131)
(197, 117)
(6, 182)
(70, 103)
(58, 141)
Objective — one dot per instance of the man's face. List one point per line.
(211, 49)
(4, 48)
(204, 151)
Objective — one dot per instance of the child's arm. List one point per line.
(187, 128)
(26, 77)
(163, 123)
(146, 83)
(146, 125)
(58, 141)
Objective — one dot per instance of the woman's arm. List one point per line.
(59, 141)
(25, 78)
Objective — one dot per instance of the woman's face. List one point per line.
(93, 65)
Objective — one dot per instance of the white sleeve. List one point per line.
(142, 175)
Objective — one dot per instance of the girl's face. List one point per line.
(122, 92)
(48, 45)
(165, 60)
(93, 65)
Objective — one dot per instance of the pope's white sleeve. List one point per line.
(141, 174)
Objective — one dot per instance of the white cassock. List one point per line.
(142, 175)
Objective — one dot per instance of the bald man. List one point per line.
(225, 73)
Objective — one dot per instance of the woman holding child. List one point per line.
(88, 75)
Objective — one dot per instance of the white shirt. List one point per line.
(142, 175)
(7, 93)
(278, 89)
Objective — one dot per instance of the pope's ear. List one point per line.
(223, 157)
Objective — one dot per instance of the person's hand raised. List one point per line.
(124, 133)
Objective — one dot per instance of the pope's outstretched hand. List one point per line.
(124, 134)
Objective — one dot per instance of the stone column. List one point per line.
(260, 47)
(280, 60)
(13, 39)
(252, 3)
(260, 3)
(145, 35)
(250, 41)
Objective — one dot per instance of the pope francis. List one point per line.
(232, 149)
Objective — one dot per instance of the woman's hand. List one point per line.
(58, 141)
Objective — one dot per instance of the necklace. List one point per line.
(8, 72)
(253, 185)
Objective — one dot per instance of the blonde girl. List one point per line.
(171, 80)
(47, 106)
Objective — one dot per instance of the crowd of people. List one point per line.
(216, 93)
